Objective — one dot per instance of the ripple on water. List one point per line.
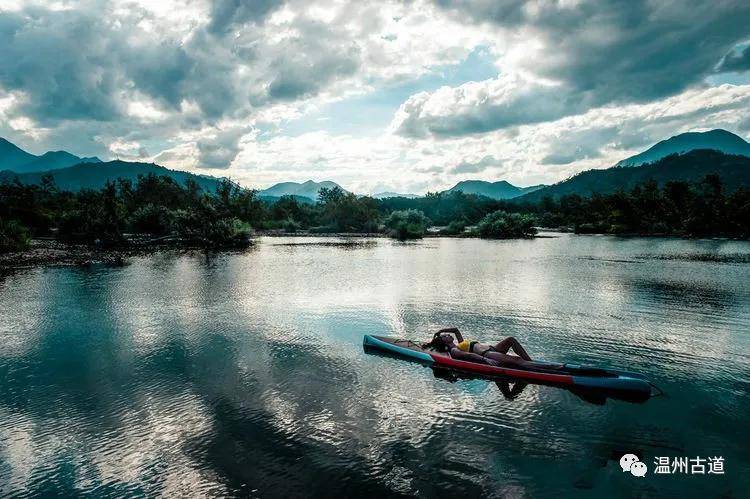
(244, 374)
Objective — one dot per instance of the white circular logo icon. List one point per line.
(631, 463)
(627, 461)
(638, 469)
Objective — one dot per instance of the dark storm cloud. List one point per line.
(213, 155)
(61, 62)
(72, 65)
(220, 151)
(478, 107)
(736, 60)
(83, 65)
(309, 62)
(161, 71)
(305, 76)
(228, 14)
(599, 52)
(617, 50)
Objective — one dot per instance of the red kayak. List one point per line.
(569, 375)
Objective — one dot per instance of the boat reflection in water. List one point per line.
(512, 389)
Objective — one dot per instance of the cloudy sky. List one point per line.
(376, 95)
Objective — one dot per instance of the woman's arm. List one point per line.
(453, 330)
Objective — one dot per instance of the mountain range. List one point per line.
(494, 190)
(692, 166)
(309, 189)
(17, 160)
(688, 156)
(718, 140)
(95, 175)
(389, 194)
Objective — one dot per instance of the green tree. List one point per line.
(13, 236)
(407, 224)
(503, 225)
(347, 212)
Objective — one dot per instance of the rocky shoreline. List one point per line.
(53, 252)
(49, 251)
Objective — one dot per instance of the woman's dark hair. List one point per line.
(437, 343)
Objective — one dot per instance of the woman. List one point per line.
(496, 355)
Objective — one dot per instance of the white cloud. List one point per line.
(597, 138)
(166, 67)
(212, 85)
(477, 107)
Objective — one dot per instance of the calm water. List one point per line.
(244, 374)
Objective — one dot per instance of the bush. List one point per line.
(13, 236)
(504, 225)
(407, 224)
(205, 228)
(455, 228)
(290, 225)
(151, 219)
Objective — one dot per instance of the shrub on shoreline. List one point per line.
(13, 236)
(503, 225)
(407, 224)
(455, 228)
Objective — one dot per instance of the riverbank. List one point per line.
(52, 252)
(48, 251)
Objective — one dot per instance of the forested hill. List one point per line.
(17, 160)
(718, 140)
(689, 167)
(95, 175)
(493, 190)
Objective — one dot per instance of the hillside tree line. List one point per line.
(156, 208)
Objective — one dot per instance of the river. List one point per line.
(243, 374)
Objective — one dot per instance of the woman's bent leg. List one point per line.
(512, 343)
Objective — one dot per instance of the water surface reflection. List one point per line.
(244, 374)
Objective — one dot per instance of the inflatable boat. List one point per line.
(622, 384)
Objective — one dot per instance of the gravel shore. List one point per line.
(43, 252)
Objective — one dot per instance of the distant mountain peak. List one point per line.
(692, 167)
(308, 189)
(12, 156)
(391, 194)
(17, 160)
(501, 189)
(717, 140)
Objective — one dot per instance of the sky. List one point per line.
(404, 96)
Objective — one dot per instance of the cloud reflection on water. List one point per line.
(178, 376)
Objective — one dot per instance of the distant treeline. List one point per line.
(156, 208)
(701, 209)
(697, 209)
